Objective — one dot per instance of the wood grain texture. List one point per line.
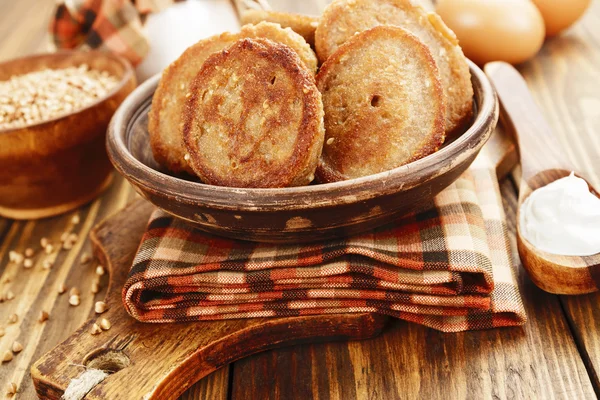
(551, 272)
(163, 360)
(23, 32)
(36, 289)
(540, 360)
(564, 80)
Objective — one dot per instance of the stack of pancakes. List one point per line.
(247, 110)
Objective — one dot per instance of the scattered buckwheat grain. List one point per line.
(43, 316)
(7, 356)
(96, 329)
(105, 324)
(74, 300)
(16, 347)
(11, 388)
(62, 288)
(100, 307)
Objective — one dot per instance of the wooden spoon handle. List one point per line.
(539, 150)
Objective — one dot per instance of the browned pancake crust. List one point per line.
(304, 25)
(165, 119)
(384, 104)
(254, 118)
(343, 18)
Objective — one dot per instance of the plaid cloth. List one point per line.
(114, 25)
(448, 268)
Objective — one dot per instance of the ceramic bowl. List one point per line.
(51, 167)
(299, 214)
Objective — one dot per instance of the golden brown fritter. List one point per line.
(304, 25)
(384, 104)
(254, 118)
(343, 18)
(165, 119)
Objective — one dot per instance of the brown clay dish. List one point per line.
(299, 214)
(54, 166)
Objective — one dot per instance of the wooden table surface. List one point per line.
(556, 355)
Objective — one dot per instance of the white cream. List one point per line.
(563, 218)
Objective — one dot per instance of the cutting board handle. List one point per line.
(160, 361)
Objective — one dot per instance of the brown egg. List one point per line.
(560, 14)
(495, 30)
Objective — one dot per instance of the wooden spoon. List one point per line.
(542, 162)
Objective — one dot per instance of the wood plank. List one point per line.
(564, 79)
(214, 386)
(409, 361)
(24, 38)
(35, 289)
(583, 315)
(539, 361)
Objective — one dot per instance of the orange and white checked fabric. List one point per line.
(114, 25)
(448, 268)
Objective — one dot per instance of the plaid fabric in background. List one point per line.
(114, 25)
(448, 268)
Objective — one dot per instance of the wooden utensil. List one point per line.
(542, 162)
(300, 214)
(54, 166)
(159, 361)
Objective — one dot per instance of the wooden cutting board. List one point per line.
(160, 361)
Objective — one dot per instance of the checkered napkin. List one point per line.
(115, 25)
(448, 268)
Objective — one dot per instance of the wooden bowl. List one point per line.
(300, 214)
(51, 167)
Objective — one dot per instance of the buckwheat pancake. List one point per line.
(305, 25)
(343, 18)
(383, 101)
(254, 118)
(165, 119)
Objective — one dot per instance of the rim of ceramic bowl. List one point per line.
(127, 75)
(302, 197)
